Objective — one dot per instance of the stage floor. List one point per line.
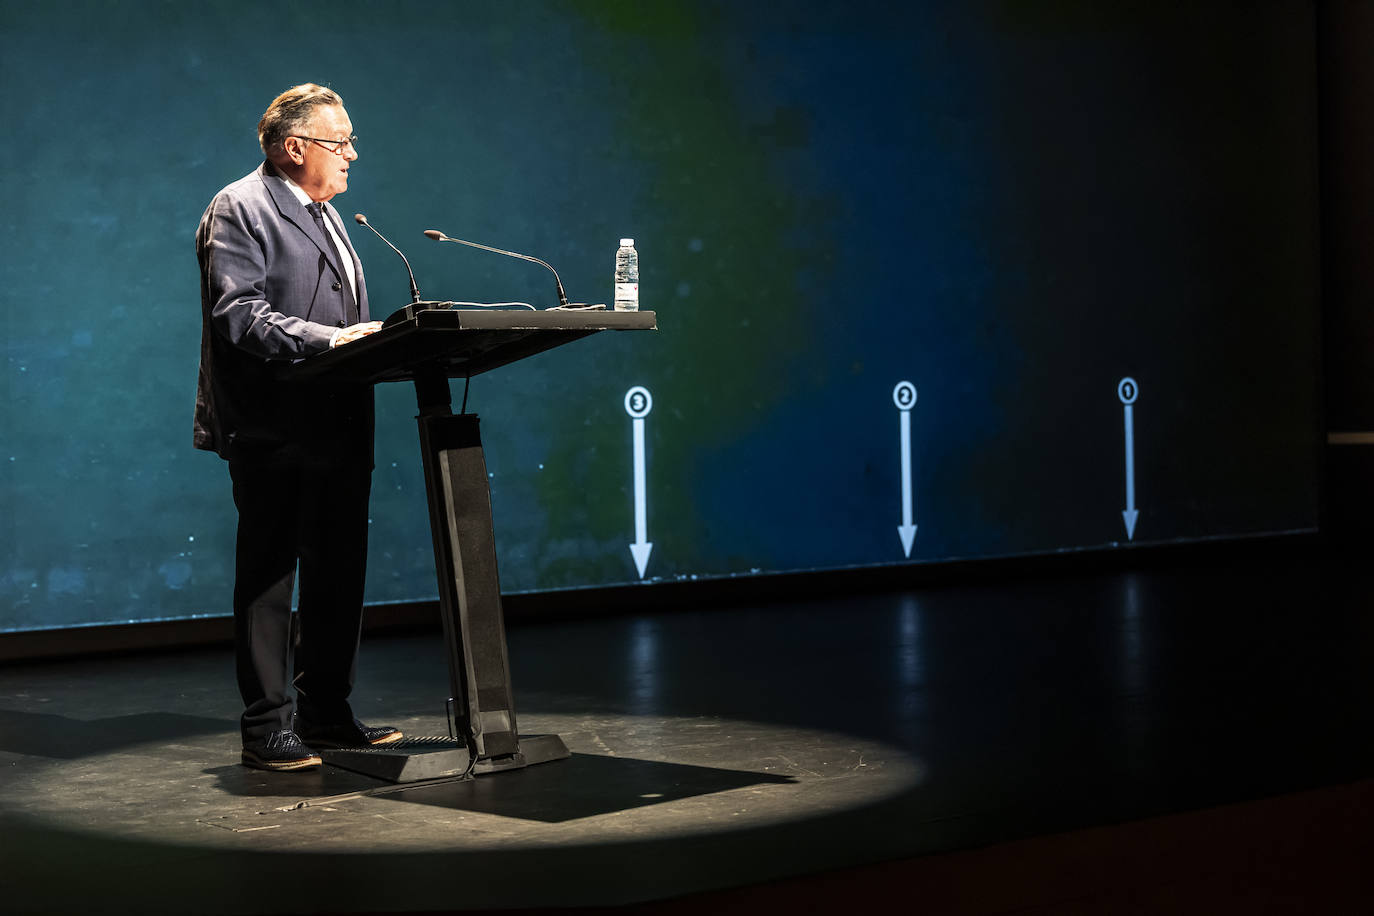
(717, 748)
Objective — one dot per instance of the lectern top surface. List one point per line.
(546, 319)
(460, 342)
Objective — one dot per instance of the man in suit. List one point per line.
(280, 282)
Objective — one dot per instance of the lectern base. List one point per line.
(414, 759)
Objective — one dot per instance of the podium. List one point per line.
(428, 344)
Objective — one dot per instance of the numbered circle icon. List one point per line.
(904, 395)
(1127, 390)
(638, 402)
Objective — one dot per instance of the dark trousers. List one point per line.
(307, 513)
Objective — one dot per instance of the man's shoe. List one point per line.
(349, 734)
(281, 750)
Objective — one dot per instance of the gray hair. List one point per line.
(290, 112)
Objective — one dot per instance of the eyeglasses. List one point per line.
(334, 146)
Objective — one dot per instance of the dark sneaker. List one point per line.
(349, 734)
(282, 750)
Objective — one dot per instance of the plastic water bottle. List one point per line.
(627, 277)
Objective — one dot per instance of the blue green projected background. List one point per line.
(1012, 206)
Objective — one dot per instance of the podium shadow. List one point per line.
(583, 785)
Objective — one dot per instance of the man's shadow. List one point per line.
(38, 734)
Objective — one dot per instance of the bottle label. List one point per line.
(627, 297)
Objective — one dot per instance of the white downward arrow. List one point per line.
(904, 396)
(638, 403)
(1127, 390)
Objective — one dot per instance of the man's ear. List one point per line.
(294, 148)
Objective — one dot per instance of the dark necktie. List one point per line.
(317, 211)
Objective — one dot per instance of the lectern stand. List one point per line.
(429, 346)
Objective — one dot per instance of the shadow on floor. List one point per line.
(584, 785)
(59, 737)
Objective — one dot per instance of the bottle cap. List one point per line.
(627, 243)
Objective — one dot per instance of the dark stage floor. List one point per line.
(955, 742)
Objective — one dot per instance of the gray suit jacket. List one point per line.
(271, 290)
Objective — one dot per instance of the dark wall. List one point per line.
(1347, 160)
(1012, 206)
(1346, 35)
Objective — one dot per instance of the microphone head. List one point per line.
(434, 234)
(360, 219)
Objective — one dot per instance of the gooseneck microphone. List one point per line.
(414, 290)
(440, 237)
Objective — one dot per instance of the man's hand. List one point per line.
(356, 331)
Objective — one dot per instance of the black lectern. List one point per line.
(430, 345)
